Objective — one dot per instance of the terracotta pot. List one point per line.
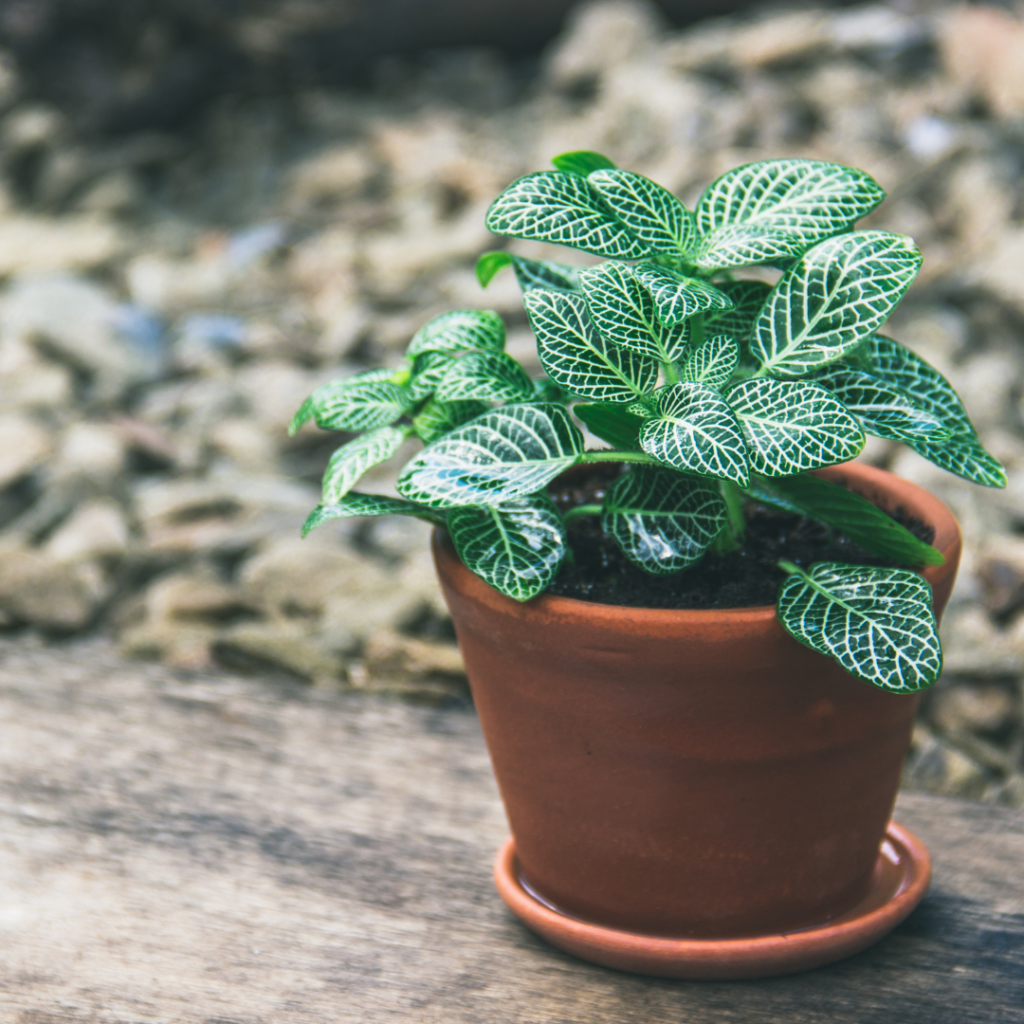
(696, 774)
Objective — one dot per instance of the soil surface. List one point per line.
(746, 578)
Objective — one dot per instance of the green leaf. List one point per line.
(712, 362)
(437, 418)
(362, 406)
(748, 297)
(516, 548)
(499, 457)
(623, 313)
(545, 274)
(428, 371)
(581, 161)
(485, 376)
(834, 297)
(662, 521)
(877, 623)
(676, 296)
(565, 209)
(546, 390)
(652, 213)
(462, 330)
(354, 504)
(612, 423)
(574, 355)
(489, 264)
(963, 455)
(793, 426)
(776, 209)
(855, 517)
(696, 431)
(334, 392)
(352, 460)
(883, 410)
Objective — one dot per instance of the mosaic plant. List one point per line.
(714, 390)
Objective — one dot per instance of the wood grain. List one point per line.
(227, 851)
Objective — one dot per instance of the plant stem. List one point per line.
(609, 455)
(730, 537)
(581, 510)
(789, 568)
(671, 374)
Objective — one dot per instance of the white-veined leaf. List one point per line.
(552, 206)
(835, 296)
(619, 425)
(437, 418)
(748, 297)
(428, 371)
(662, 521)
(461, 330)
(877, 623)
(485, 376)
(499, 457)
(651, 212)
(581, 161)
(712, 362)
(623, 313)
(363, 406)
(354, 504)
(575, 355)
(793, 426)
(963, 455)
(776, 209)
(352, 460)
(696, 431)
(335, 391)
(676, 296)
(517, 548)
(883, 409)
(545, 274)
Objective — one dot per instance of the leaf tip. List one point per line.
(489, 264)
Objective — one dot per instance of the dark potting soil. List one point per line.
(600, 572)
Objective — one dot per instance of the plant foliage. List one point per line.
(713, 388)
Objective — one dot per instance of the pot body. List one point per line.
(686, 773)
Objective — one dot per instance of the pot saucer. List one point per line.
(900, 881)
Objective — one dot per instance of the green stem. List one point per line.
(730, 537)
(581, 510)
(789, 568)
(608, 455)
(671, 373)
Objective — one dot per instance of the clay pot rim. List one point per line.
(874, 484)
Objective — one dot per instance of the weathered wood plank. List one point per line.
(222, 850)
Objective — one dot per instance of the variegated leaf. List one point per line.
(437, 418)
(552, 206)
(662, 521)
(651, 212)
(334, 392)
(963, 455)
(499, 457)
(363, 406)
(883, 409)
(581, 161)
(352, 460)
(485, 376)
(529, 273)
(354, 504)
(676, 296)
(575, 355)
(623, 312)
(793, 426)
(696, 432)
(712, 362)
(462, 330)
(877, 623)
(776, 209)
(748, 297)
(834, 297)
(428, 371)
(517, 548)
(616, 424)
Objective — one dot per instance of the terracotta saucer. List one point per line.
(901, 878)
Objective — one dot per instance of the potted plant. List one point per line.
(695, 652)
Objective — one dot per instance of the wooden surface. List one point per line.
(227, 851)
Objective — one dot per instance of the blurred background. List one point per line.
(210, 207)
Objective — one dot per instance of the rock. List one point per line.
(95, 450)
(331, 176)
(420, 670)
(96, 531)
(41, 592)
(983, 49)
(997, 269)
(976, 649)
(77, 321)
(23, 447)
(972, 708)
(37, 244)
(283, 648)
(1001, 571)
(781, 39)
(171, 285)
(936, 767)
(30, 381)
